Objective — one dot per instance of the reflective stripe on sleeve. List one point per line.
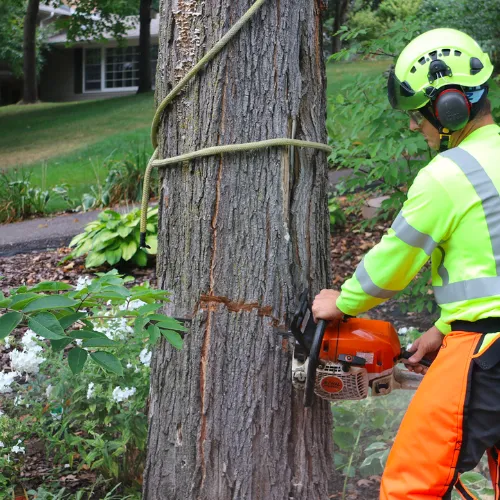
(369, 287)
(413, 237)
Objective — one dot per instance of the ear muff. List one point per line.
(452, 109)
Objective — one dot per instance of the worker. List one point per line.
(452, 215)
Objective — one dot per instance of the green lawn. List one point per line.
(70, 142)
(340, 73)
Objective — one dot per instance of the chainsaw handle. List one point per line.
(313, 362)
(407, 355)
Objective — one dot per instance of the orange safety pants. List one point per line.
(453, 419)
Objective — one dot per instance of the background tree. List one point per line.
(240, 236)
(144, 46)
(30, 91)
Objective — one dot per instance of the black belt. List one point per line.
(485, 325)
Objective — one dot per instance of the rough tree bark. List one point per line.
(240, 236)
(144, 46)
(30, 93)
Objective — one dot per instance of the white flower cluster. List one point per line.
(6, 380)
(115, 329)
(145, 357)
(404, 330)
(28, 360)
(90, 390)
(83, 282)
(130, 306)
(18, 449)
(120, 394)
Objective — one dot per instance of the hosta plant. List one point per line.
(114, 238)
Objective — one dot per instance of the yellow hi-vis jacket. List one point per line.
(452, 215)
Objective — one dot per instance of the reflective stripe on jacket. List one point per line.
(452, 215)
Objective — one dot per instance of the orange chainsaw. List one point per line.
(344, 359)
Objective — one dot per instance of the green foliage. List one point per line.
(88, 409)
(12, 14)
(337, 215)
(479, 19)
(126, 176)
(20, 198)
(114, 239)
(93, 19)
(374, 22)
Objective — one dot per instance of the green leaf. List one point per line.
(139, 324)
(152, 241)
(67, 321)
(107, 361)
(141, 258)
(50, 302)
(46, 325)
(52, 286)
(471, 477)
(99, 343)
(124, 231)
(8, 322)
(113, 256)
(154, 334)
(95, 259)
(173, 337)
(76, 359)
(21, 300)
(128, 249)
(59, 345)
(168, 323)
(376, 446)
(147, 308)
(86, 334)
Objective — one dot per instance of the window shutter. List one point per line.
(78, 62)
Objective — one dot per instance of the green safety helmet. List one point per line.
(434, 61)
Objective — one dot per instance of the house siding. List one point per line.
(57, 81)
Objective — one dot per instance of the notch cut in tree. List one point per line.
(240, 236)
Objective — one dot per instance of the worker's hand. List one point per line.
(324, 306)
(427, 346)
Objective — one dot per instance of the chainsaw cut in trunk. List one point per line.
(240, 237)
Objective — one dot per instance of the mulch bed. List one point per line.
(348, 245)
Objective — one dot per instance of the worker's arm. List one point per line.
(427, 218)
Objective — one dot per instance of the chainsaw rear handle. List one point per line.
(424, 362)
(313, 362)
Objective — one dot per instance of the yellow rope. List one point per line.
(216, 150)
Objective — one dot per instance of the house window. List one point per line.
(122, 67)
(92, 69)
(114, 68)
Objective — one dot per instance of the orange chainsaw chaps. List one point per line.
(421, 464)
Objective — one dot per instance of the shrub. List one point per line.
(19, 199)
(90, 415)
(114, 238)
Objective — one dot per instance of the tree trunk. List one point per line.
(341, 7)
(240, 237)
(145, 47)
(30, 94)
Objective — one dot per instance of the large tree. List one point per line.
(240, 236)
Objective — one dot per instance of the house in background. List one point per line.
(84, 70)
(94, 70)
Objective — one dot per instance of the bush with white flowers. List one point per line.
(79, 375)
